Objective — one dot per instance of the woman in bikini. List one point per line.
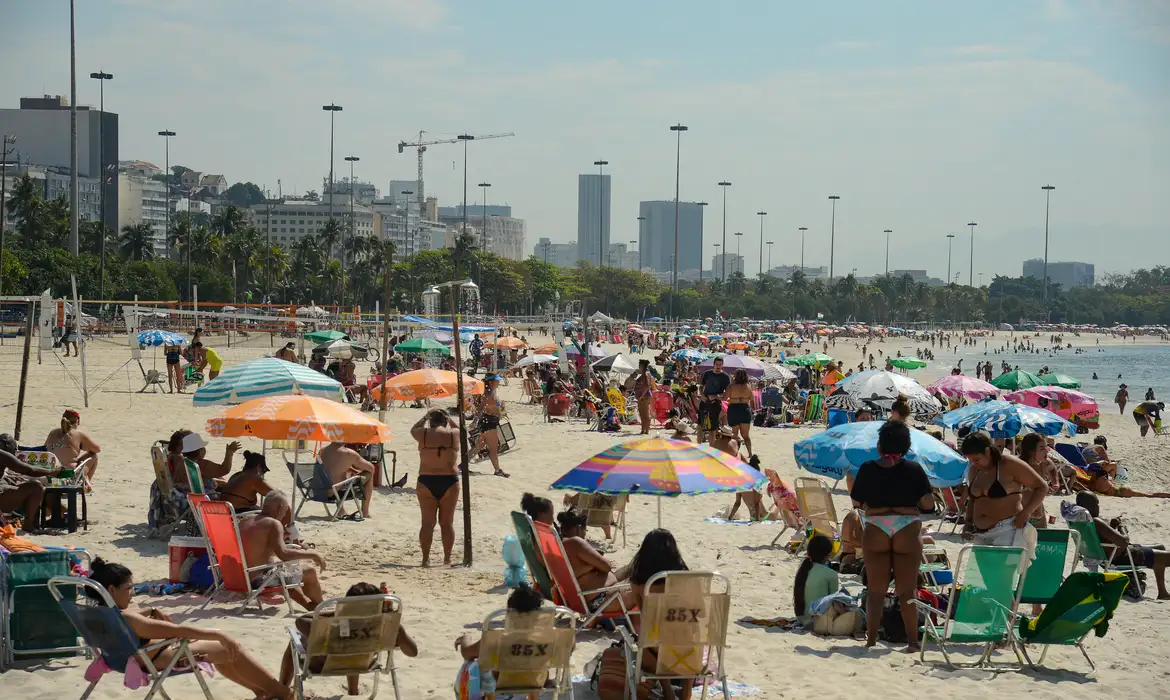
(246, 487)
(892, 492)
(740, 402)
(491, 408)
(174, 354)
(1004, 493)
(591, 570)
(438, 481)
(72, 447)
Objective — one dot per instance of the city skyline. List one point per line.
(967, 113)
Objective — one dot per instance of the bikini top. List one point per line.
(438, 448)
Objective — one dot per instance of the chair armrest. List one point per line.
(627, 637)
(295, 641)
(606, 589)
(347, 481)
(929, 608)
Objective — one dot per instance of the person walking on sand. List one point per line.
(1122, 398)
(644, 387)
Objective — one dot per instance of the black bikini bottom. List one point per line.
(438, 484)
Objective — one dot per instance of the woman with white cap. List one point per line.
(186, 445)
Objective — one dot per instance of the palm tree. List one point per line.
(798, 282)
(55, 222)
(91, 233)
(179, 235)
(464, 253)
(240, 248)
(229, 220)
(330, 235)
(137, 242)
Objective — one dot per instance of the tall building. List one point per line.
(559, 254)
(1066, 274)
(733, 262)
(593, 215)
(656, 240)
(41, 128)
(293, 219)
(143, 200)
(454, 215)
(397, 187)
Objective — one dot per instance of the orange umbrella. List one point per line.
(427, 384)
(737, 346)
(550, 349)
(298, 418)
(508, 343)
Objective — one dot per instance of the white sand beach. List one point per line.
(442, 603)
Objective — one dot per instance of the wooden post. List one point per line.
(382, 403)
(28, 326)
(80, 339)
(464, 470)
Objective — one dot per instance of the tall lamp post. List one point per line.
(102, 77)
(601, 211)
(167, 134)
(738, 254)
(888, 232)
(407, 236)
(832, 235)
(724, 184)
(971, 261)
(950, 240)
(770, 255)
(465, 138)
(333, 110)
(761, 214)
(677, 129)
(483, 224)
(802, 229)
(352, 221)
(701, 206)
(641, 235)
(636, 243)
(1047, 201)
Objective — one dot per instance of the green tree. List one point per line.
(244, 194)
(137, 242)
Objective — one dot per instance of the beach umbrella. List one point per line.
(731, 363)
(1065, 403)
(689, 355)
(311, 311)
(842, 449)
(654, 466)
(343, 348)
(420, 384)
(594, 350)
(298, 418)
(655, 318)
(1017, 379)
(1003, 420)
(547, 349)
(325, 336)
(778, 372)
(157, 338)
(809, 360)
(737, 346)
(1061, 380)
(537, 359)
(960, 386)
(267, 376)
(883, 388)
(908, 363)
(615, 363)
(843, 400)
(417, 345)
(506, 343)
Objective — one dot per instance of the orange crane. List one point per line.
(421, 145)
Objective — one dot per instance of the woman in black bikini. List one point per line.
(438, 481)
(173, 353)
(739, 409)
(488, 419)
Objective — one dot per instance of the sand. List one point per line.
(442, 603)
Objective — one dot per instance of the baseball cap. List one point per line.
(192, 442)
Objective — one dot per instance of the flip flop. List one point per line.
(353, 517)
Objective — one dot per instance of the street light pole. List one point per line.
(832, 235)
(636, 243)
(167, 134)
(333, 110)
(888, 232)
(802, 229)
(761, 214)
(677, 129)
(352, 221)
(950, 240)
(641, 235)
(971, 261)
(465, 138)
(701, 206)
(601, 211)
(407, 236)
(102, 77)
(1047, 201)
(770, 255)
(724, 184)
(74, 195)
(483, 224)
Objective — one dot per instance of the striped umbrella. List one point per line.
(960, 386)
(656, 466)
(157, 338)
(1002, 420)
(267, 376)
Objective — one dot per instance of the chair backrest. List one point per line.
(225, 548)
(1071, 452)
(601, 508)
(1090, 540)
(663, 403)
(526, 534)
(194, 499)
(686, 620)
(194, 476)
(816, 505)
(1085, 601)
(526, 648)
(322, 485)
(350, 632)
(952, 503)
(162, 473)
(556, 560)
(614, 396)
(1046, 572)
(989, 583)
(101, 626)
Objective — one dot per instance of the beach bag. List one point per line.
(609, 676)
(1132, 592)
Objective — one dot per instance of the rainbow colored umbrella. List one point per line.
(656, 466)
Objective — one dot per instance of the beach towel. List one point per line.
(724, 521)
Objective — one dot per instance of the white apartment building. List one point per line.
(142, 200)
(293, 219)
(733, 262)
(504, 236)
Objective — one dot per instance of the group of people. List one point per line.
(199, 356)
(23, 486)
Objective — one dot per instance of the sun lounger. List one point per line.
(816, 508)
(229, 569)
(530, 651)
(1096, 554)
(152, 379)
(592, 605)
(1084, 603)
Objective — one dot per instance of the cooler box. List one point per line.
(179, 548)
(558, 404)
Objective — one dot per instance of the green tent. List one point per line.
(1061, 380)
(422, 345)
(1017, 379)
(325, 336)
(908, 363)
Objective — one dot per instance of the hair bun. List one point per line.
(97, 564)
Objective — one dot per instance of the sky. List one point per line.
(922, 116)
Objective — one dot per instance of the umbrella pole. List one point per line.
(464, 469)
(660, 511)
(296, 461)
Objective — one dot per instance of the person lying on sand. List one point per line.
(1113, 533)
(262, 535)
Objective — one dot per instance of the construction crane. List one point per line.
(421, 145)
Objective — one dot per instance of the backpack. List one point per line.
(609, 676)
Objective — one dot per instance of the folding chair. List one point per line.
(1046, 573)
(686, 624)
(952, 511)
(1096, 554)
(31, 623)
(313, 484)
(229, 569)
(348, 637)
(530, 651)
(569, 591)
(165, 486)
(107, 635)
(982, 606)
(606, 511)
(152, 379)
(614, 397)
(1084, 603)
(816, 508)
(526, 534)
(663, 403)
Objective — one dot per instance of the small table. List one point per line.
(59, 510)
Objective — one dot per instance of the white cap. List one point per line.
(193, 442)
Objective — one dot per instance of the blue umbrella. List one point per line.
(655, 318)
(156, 338)
(840, 450)
(1003, 420)
(689, 355)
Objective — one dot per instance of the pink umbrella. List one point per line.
(1070, 404)
(958, 386)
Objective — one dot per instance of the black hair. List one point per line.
(754, 462)
(437, 418)
(963, 432)
(570, 519)
(175, 444)
(1102, 441)
(362, 588)
(525, 599)
(107, 575)
(819, 549)
(976, 444)
(1089, 501)
(1028, 446)
(901, 406)
(534, 505)
(253, 460)
(197, 344)
(658, 553)
(893, 438)
(740, 377)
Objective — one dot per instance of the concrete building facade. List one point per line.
(142, 200)
(1066, 274)
(559, 254)
(656, 238)
(293, 219)
(593, 216)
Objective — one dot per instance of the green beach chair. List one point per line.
(982, 606)
(1046, 572)
(1101, 554)
(1084, 603)
(526, 533)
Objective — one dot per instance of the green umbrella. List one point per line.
(325, 336)
(908, 363)
(816, 358)
(1016, 380)
(1061, 380)
(422, 345)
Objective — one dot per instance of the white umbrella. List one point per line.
(615, 363)
(535, 360)
(883, 388)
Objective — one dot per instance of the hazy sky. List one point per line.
(921, 115)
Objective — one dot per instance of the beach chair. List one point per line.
(1096, 554)
(604, 510)
(982, 606)
(686, 625)
(348, 637)
(1084, 603)
(1046, 573)
(530, 651)
(814, 409)
(313, 484)
(526, 534)
(952, 511)
(1073, 455)
(614, 397)
(107, 635)
(192, 376)
(152, 379)
(165, 486)
(816, 508)
(662, 404)
(31, 623)
(568, 592)
(229, 569)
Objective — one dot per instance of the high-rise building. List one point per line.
(593, 215)
(41, 128)
(656, 240)
(293, 219)
(397, 187)
(733, 262)
(1066, 274)
(559, 254)
(142, 200)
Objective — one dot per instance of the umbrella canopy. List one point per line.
(731, 363)
(594, 350)
(536, 359)
(158, 338)
(1017, 379)
(842, 449)
(298, 418)
(547, 349)
(1002, 420)
(689, 355)
(960, 386)
(342, 347)
(506, 343)
(778, 372)
(908, 363)
(737, 346)
(267, 376)
(422, 345)
(427, 384)
(1061, 380)
(1065, 403)
(311, 311)
(615, 363)
(883, 388)
(325, 336)
(655, 466)
(815, 358)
